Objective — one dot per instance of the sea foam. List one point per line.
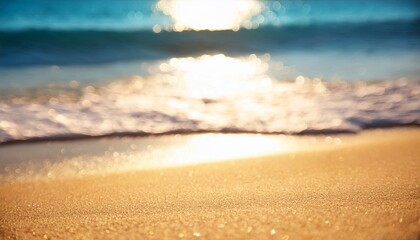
(178, 98)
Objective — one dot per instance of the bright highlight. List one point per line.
(218, 75)
(209, 14)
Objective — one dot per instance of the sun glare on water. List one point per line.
(209, 14)
(218, 75)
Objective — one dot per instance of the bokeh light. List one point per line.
(209, 14)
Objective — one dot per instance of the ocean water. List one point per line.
(138, 67)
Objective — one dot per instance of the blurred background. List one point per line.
(93, 68)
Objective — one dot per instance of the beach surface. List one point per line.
(366, 187)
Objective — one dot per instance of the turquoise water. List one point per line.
(45, 33)
(142, 15)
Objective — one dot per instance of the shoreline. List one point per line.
(304, 133)
(366, 187)
(65, 159)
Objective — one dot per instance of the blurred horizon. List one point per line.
(123, 15)
(38, 35)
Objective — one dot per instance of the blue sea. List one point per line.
(86, 68)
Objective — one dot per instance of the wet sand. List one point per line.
(366, 188)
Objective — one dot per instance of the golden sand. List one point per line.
(367, 188)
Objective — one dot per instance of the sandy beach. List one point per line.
(183, 119)
(365, 188)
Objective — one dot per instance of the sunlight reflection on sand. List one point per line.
(198, 149)
(66, 159)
